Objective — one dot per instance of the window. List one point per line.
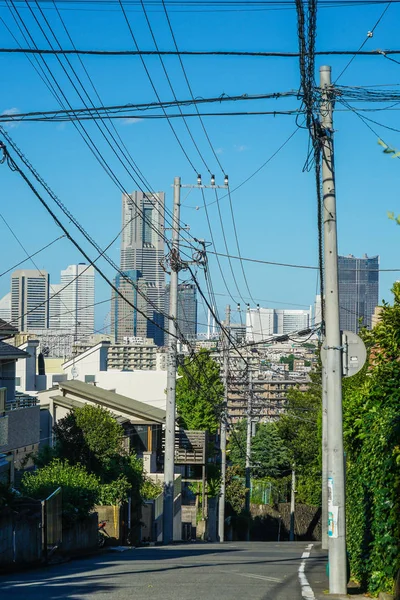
(90, 378)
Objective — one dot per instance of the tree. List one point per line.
(371, 403)
(288, 360)
(300, 429)
(199, 393)
(91, 436)
(269, 456)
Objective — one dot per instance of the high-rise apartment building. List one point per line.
(358, 291)
(127, 322)
(30, 299)
(187, 309)
(142, 250)
(262, 323)
(76, 303)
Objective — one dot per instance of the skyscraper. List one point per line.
(30, 299)
(127, 322)
(142, 250)
(358, 291)
(55, 305)
(262, 323)
(5, 308)
(76, 303)
(187, 309)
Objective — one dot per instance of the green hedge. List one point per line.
(372, 439)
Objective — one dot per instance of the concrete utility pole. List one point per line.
(225, 350)
(292, 505)
(248, 440)
(169, 459)
(333, 343)
(324, 516)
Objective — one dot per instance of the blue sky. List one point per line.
(276, 210)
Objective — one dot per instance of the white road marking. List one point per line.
(253, 576)
(306, 590)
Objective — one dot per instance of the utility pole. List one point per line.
(225, 350)
(169, 459)
(248, 440)
(292, 505)
(324, 516)
(333, 343)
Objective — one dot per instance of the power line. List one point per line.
(13, 166)
(369, 36)
(30, 256)
(141, 53)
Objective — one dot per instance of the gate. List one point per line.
(52, 522)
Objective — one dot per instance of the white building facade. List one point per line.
(76, 304)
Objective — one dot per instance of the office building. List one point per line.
(76, 303)
(187, 309)
(259, 324)
(55, 305)
(5, 308)
(30, 299)
(288, 321)
(358, 291)
(262, 323)
(127, 322)
(142, 250)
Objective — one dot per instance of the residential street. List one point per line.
(234, 571)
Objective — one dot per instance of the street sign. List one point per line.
(354, 354)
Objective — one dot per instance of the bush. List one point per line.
(80, 489)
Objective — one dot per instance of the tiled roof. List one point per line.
(6, 329)
(8, 351)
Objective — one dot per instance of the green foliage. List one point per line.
(91, 436)
(114, 493)
(80, 489)
(150, 490)
(199, 393)
(91, 439)
(372, 441)
(288, 360)
(269, 456)
(300, 430)
(235, 490)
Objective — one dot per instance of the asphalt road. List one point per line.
(234, 571)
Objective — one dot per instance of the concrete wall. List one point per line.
(26, 368)
(271, 521)
(111, 514)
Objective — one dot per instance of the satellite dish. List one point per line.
(354, 354)
(74, 372)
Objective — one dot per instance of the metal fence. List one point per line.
(52, 522)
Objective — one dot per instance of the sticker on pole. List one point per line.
(333, 512)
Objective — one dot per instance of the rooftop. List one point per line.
(8, 351)
(114, 401)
